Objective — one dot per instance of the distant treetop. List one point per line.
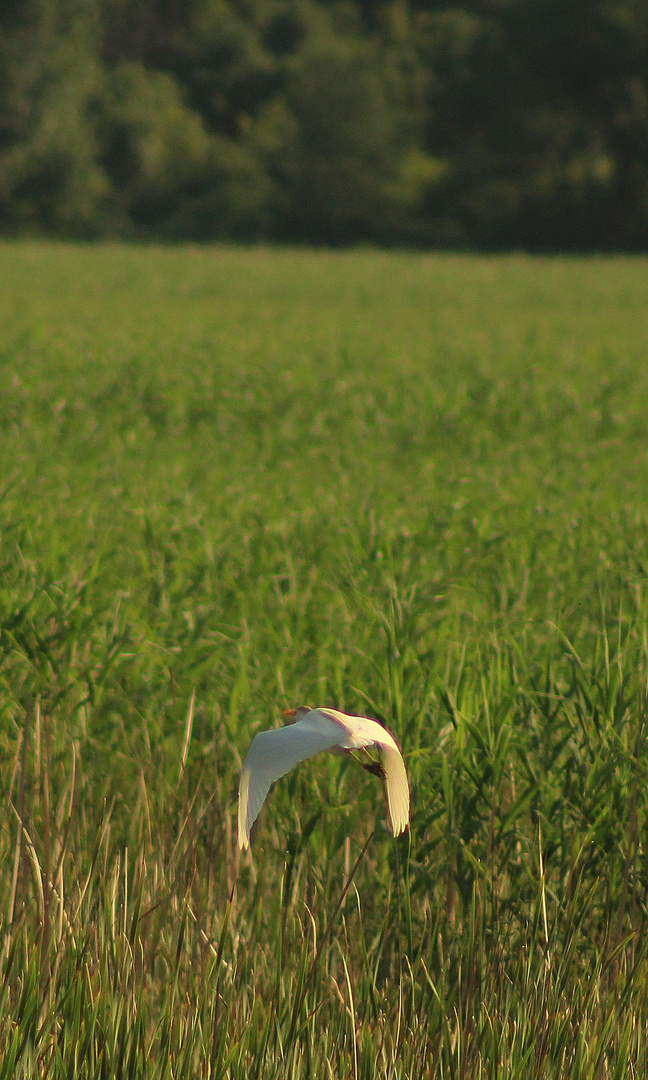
(487, 123)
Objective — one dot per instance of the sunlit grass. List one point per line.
(412, 486)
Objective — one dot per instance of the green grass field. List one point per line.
(409, 486)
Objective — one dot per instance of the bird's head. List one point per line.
(294, 715)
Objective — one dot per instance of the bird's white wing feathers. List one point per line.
(361, 731)
(273, 754)
(397, 787)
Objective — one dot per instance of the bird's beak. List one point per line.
(289, 712)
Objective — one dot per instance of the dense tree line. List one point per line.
(484, 122)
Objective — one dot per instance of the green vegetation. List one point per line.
(483, 123)
(413, 486)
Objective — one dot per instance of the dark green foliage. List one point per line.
(50, 81)
(339, 168)
(542, 106)
(506, 123)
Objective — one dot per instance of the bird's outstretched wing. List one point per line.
(362, 732)
(397, 788)
(273, 754)
(359, 731)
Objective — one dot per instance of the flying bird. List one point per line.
(274, 753)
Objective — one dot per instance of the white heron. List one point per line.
(274, 753)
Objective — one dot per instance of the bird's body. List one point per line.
(274, 753)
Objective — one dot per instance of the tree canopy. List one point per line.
(483, 123)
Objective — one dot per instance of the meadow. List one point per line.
(409, 486)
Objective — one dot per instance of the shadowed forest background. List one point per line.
(483, 123)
